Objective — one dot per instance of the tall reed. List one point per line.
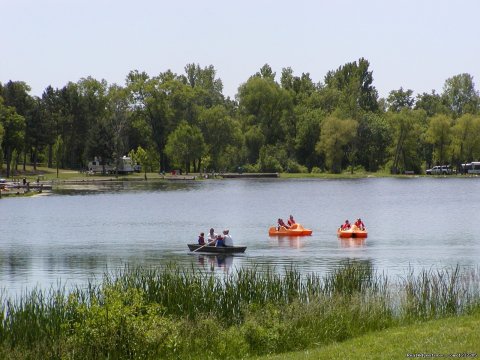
(149, 313)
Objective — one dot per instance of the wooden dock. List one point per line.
(248, 175)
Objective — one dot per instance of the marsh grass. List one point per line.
(150, 313)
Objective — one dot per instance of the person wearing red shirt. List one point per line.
(345, 226)
(281, 223)
(359, 224)
(291, 221)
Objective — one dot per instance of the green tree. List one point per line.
(58, 150)
(432, 104)
(16, 95)
(99, 143)
(186, 145)
(374, 138)
(406, 149)
(465, 135)
(265, 105)
(354, 82)
(146, 158)
(400, 99)
(219, 131)
(460, 95)
(308, 127)
(14, 133)
(208, 87)
(439, 135)
(335, 137)
(118, 120)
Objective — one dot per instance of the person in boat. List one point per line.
(359, 224)
(201, 239)
(219, 241)
(346, 225)
(227, 239)
(291, 221)
(281, 223)
(212, 237)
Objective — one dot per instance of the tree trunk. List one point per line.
(50, 155)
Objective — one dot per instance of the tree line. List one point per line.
(184, 121)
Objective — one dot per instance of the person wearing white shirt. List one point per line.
(227, 239)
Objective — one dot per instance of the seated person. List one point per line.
(346, 225)
(212, 237)
(291, 221)
(359, 224)
(227, 239)
(219, 241)
(201, 239)
(281, 223)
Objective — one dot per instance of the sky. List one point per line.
(413, 44)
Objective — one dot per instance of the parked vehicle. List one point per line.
(440, 170)
(96, 167)
(471, 168)
(125, 165)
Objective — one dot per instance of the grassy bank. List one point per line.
(456, 336)
(176, 314)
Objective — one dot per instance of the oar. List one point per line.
(204, 245)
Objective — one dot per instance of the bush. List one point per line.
(294, 167)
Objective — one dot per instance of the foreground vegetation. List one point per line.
(141, 313)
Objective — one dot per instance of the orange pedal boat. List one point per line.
(295, 230)
(353, 232)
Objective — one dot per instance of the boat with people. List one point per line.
(352, 232)
(217, 249)
(294, 230)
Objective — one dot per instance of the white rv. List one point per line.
(125, 165)
(96, 167)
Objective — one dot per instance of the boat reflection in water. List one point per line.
(352, 242)
(216, 261)
(295, 242)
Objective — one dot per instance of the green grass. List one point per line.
(454, 335)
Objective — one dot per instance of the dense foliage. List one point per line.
(171, 313)
(294, 125)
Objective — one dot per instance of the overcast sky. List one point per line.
(414, 44)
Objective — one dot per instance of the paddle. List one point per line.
(205, 245)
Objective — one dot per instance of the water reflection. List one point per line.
(352, 242)
(215, 261)
(295, 242)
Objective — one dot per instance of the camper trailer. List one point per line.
(96, 167)
(125, 165)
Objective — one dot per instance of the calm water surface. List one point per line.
(75, 235)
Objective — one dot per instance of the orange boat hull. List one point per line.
(295, 230)
(352, 233)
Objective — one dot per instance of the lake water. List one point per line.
(77, 234)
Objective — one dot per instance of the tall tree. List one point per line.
(375, 137)
(14, 132)
(460, 95)
(439, 135)
(118, 120)
(431, 103)
(354, 81)
(219, 131)
(465, 135)
(265, 105)
(406, 129)
(335, 137)
(400, 99)
(186, 145)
